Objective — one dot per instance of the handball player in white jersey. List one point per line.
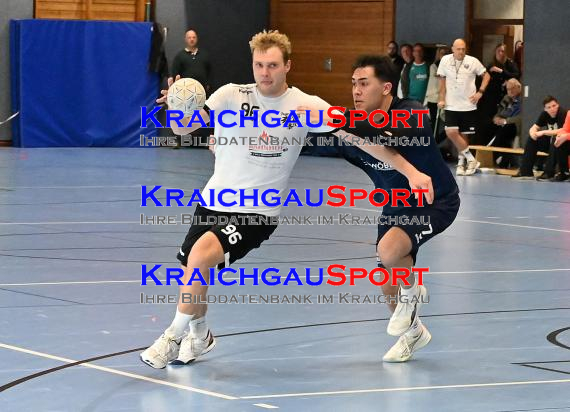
(245, 167)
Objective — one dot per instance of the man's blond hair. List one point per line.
(267, 39)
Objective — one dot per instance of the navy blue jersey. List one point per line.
(419, 148)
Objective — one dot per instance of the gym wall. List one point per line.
(327, 37)
(420, 21)
(546, 58)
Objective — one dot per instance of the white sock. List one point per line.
(179, 324)
(460, 159)
(412, 290)
(468, 155)
(199, 327)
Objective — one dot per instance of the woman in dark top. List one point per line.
(501, 70)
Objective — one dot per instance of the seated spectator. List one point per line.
(550, 119)
(563, 134)
(562, 143)
(507, 121)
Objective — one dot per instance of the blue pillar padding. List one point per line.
(80, 83)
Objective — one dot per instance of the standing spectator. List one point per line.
(404, 85)
(192, 62)
(541, 133)
(519, 55)
(432, 92)
(419, 75)
(392, 50)
(500, 70)
(459, 96)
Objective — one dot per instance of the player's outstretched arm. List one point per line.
(416, 179)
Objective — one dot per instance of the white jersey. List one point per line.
(242, 165)
(460, 78)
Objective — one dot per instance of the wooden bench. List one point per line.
(484, 155)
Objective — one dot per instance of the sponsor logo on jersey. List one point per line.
(245, 90)
(265, 148)
(379, 166)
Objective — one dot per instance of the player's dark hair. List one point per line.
(383, 67)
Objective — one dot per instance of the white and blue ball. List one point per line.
(186, 95)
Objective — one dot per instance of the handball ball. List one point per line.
(186, 95)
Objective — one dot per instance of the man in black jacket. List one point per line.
(192, 62)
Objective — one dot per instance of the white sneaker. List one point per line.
(406, 313)
(162, 351)
(472, 166)
(460, 170)
(192, 347)
(407, 344)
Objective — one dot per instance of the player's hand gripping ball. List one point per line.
(186, 95)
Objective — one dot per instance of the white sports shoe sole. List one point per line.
(404, 349)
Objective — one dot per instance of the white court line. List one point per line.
(95, 282)
(67, 187)
(498, 271)
(405, 389)
(284, 395)
(513, 225)
(357, 208)
(118, 372)
(85, 282)
(459, 219)
(266, 406)
(71, 223)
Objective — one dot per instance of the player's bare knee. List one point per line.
(387, 254)
(206, 252)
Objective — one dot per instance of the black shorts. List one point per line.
(466, 122)
(433, 219)
(237, 232)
